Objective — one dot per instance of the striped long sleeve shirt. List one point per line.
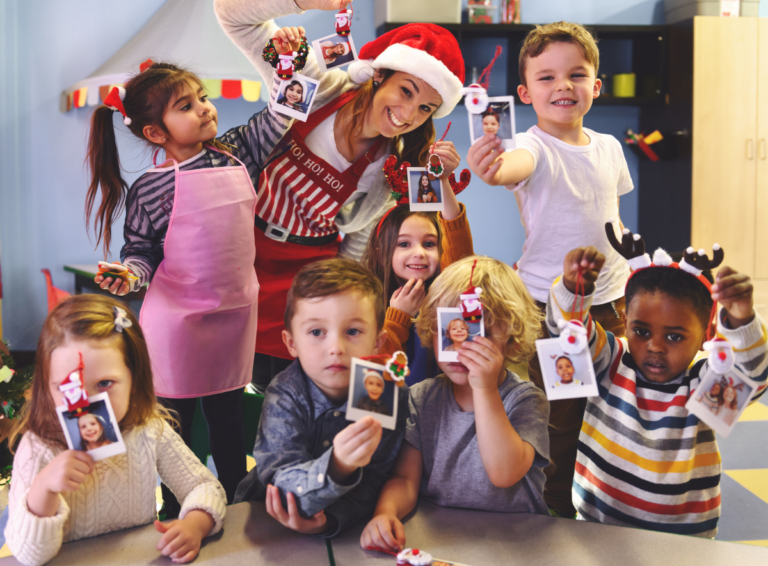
(150, 199)
(644, 460)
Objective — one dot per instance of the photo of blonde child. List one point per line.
(92, 432)
(456, 332)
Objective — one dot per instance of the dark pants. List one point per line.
(265, 368)
(223, 413)
(566, 416)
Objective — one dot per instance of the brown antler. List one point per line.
(631, 245)
(700, 260)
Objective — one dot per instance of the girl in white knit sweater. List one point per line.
(59, 495)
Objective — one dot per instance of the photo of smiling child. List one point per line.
(373, 383)
(455, 330)
(565, 375)
(498, 119)
(334, 51)
(92, 432)
(424, 194)
(371, 394)
(565, 371)
(295, 97)
(721, 401)
(92, 429)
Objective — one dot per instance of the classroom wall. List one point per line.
(46, 46)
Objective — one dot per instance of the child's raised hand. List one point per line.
(483, 159)
(291, 517)
(484, 360)
(409, 297)
(383, 531)
(734, 291)
(353, 448)
(288, 39)
(449, 156)
(66, 472)
(181, 538)
(587, 260)
(116, 287)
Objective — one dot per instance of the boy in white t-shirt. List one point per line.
(567, 180)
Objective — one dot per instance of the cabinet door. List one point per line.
(761, 241)
(724, 130)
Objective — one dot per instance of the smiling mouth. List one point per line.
(416, 266)
(564, 102)
(394, 120)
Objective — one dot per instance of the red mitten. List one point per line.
(464, 178)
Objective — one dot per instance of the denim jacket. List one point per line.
(293, 450)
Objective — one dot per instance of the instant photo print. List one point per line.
(566, 376)
(334, 51)
(454, 330)
(96, 431)
(719, 400)
(424, 194)
(498, 119)
(295, 96)
(371, 395)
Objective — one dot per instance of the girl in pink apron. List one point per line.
(327, 176)
(188, 230)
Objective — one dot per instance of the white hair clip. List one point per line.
(121, 319)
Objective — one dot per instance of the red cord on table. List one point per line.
(377, 549)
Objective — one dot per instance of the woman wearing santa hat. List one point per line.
(326, 177)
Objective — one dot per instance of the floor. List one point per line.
(744, 484)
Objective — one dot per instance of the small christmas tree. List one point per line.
(13, 387)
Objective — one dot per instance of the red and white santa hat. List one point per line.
(426, 51)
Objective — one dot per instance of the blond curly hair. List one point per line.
(509, 312)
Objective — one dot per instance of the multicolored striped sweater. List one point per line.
(643, 459)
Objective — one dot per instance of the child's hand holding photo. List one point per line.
(584, 265)
(64, 473)
(734, 291)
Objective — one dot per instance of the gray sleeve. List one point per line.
(412, 432)
(528, 412)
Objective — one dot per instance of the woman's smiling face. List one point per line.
(401, 104)
(294, 93)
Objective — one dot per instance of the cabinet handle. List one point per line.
(750, 149)
(761, 149)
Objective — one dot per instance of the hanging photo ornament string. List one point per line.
(435, 168)
(471, 307)
(476, 95)
(573, 338)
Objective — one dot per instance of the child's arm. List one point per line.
(203, 501)
(506, 457)
(398, 322)
(488, 160)
(397, 499)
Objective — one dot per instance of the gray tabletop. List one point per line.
(480, 538)
(249, 536)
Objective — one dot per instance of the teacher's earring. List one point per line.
(375, 84)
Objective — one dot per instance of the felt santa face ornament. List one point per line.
(414, 557)
(284, 68)
(344, 22)
(720, 355)
(475, 98)
(573, 338)
(75, 394)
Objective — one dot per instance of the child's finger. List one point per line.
(397, 292)
(293, 509)
(385, 530)
(731, 292)
(173, 543)
(167, 537)
(399, 532)
(160, 527)
(187, 557)
(724, 272)
(277, 505)
(105, 282)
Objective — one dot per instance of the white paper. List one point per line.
(565, 376)
(730, 8)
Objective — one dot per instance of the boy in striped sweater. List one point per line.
(643, 459)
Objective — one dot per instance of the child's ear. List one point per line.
(155, 135)
(596, 88)
(379, 340)
(522, 92)
(288, 341)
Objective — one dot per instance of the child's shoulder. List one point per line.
(514, 391)
(603, 142)
(429, 391)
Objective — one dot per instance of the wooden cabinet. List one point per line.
(729, 200)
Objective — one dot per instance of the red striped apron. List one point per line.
(299, 194)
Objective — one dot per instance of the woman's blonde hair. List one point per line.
(509, 312)
(88, 318)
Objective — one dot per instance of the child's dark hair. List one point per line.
(146, 98)
(675, 283)
(283, 97)
(329, 277)
(377, 257)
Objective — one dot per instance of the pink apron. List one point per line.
(199, 315)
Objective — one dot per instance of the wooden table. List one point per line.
(250, 536)
(480, 538)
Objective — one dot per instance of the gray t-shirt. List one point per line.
(454, 475)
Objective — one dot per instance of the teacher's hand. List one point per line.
(288, 39)
(332, 5)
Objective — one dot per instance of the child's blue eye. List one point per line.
(430, 244)
(316, 332)
(105, 383)
(354, 331)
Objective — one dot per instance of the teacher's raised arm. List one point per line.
(326, 176)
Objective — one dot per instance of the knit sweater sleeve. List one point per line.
(397, 326)
(33, 540)
(458, 238)
(190, 481)
(249, 25)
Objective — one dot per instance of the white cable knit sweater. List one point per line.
(119, 494)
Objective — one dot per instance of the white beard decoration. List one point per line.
(573, 338)
(475, 99)
(720, 355)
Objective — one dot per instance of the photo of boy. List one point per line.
(564, 368)
(497, 120)
(319, 473)
(334, 51)
(373, 384)
(454, 331)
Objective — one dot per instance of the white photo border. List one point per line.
(355, 414)
(545, 349)
(103, 452)
(413, 190)
(507, 143)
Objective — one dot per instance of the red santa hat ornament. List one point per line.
(114, 101)
(426, 51)
(720, 355)
(471, 307)
(344, 22)
(75, 394)
(476, 94)
(573, 336)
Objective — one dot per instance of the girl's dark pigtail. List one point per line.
(104, 166)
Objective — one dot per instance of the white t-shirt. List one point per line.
(565, 204)
(320, 142)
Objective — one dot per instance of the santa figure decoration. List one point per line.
(284, 68)
(75, 394)
(471, 307)
(573, 338)
(344, 22)
(720, 355)
(414, 557)
(476, 95)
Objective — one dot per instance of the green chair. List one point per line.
(252, 403)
